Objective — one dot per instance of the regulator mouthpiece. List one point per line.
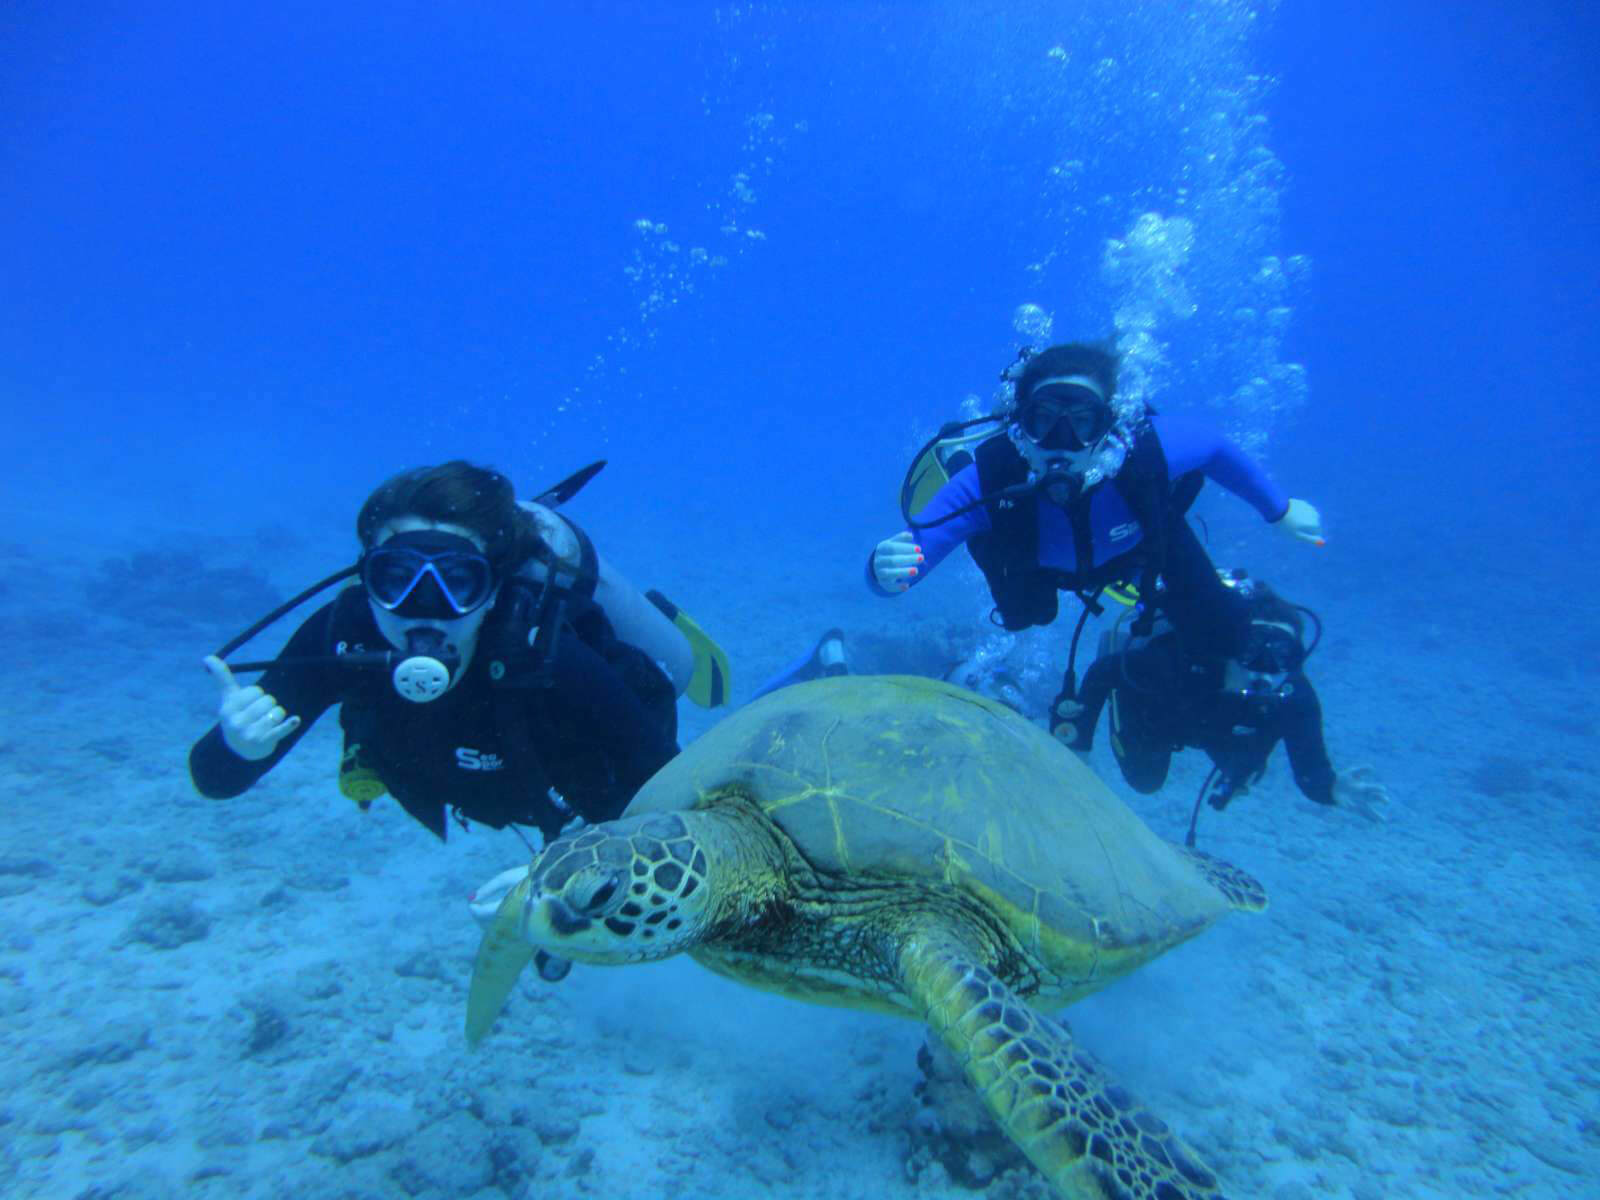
(424, 674)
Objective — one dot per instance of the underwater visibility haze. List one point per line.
(258, 259)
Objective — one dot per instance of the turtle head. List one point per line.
(623, 891)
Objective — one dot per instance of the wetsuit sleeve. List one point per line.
(1302, 738)
(596, 698)
(305, 692)
(1192, 445)
(937, 541)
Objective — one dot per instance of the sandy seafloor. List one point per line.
(263, 997)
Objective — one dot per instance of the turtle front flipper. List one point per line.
(502, 955)
(1091, 1139)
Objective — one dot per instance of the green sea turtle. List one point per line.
(899, 845)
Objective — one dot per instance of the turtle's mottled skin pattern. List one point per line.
(903, 846)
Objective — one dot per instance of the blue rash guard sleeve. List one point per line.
(937, 542)
(1193, 445)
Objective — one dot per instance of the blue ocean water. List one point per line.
(258, 258)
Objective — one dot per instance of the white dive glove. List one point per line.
(485, 902)
(1301, 521)
(252, 722)
(894, 562)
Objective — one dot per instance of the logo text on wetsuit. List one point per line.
(1126, 530)
(469, 759)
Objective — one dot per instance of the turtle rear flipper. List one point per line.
(1241, 889)
(1091, 1139)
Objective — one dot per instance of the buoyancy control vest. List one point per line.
(550, 598)
(1025, 593)
(518, 647)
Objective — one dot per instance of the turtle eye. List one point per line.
(604, 893)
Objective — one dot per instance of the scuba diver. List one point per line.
(1166, 696)
(1078, 492)
(489, 661)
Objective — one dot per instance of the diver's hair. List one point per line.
(1097, 360)
(457, 493)
(1267, 605)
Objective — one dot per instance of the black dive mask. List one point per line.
(427, 574)
(1271, 649)
(1065, 414)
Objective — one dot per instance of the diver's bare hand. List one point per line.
(252, 722)
(1360, 789)
(894, 562)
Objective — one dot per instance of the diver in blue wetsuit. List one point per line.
(1081, 492)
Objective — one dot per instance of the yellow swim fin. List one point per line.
(936, 463)
(922, 484)
(712, 680)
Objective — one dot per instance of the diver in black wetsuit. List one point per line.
(475, 672)
(1166, 696)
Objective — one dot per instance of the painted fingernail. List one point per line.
(913, 570)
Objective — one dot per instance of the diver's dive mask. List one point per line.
(427, 588)
(1272, 652)
(428, 574)
(1065, 412)
(1272, 648)
(1067, 433)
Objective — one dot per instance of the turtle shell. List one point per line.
(901, 777)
